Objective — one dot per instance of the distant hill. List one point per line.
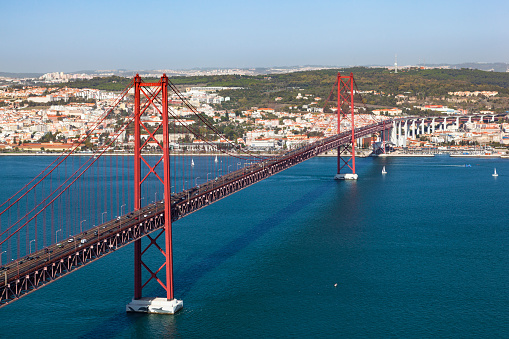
(20, 75)
(483, 66)
(488, 66)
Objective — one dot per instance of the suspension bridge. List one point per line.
(82, 207)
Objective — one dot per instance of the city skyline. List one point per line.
(68, 36)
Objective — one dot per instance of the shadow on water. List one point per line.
(194, 273)
(190, 276)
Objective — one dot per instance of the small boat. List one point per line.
(192, 163)
(384, 171)
(215, 159)
(495, 173)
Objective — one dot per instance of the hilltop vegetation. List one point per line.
(263, 90)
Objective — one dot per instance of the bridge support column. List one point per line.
(433, 125)
(394, 134)
(400, 132)
(406, 134)
(422, 126)
(167, 305)
(384, 136)
(383, 140)
(346, 153)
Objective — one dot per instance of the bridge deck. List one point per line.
(28, 274)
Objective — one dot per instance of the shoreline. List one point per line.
(360, 155)
(475, 155)
(127, 154)
(400, 155)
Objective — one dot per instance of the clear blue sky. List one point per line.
(47, 36)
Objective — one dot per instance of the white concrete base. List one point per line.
(155, 305)
(346, 176)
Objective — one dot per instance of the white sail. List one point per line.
(383, 170)
(215, 159)
(495, 173)
(192, 163)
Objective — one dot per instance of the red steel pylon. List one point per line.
(152, 97)
(346, 152)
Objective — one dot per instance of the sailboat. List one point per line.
(495, 173)
(383, 170)
(215, 159)
(192, 163)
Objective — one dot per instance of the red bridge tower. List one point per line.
(346, 152)
(153, 97)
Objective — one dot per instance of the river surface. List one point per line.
(420, 252)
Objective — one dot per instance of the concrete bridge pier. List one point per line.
(399, 133)
(433, 125)
(394, 134)
(406, 134)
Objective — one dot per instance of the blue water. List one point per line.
(419, 252)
